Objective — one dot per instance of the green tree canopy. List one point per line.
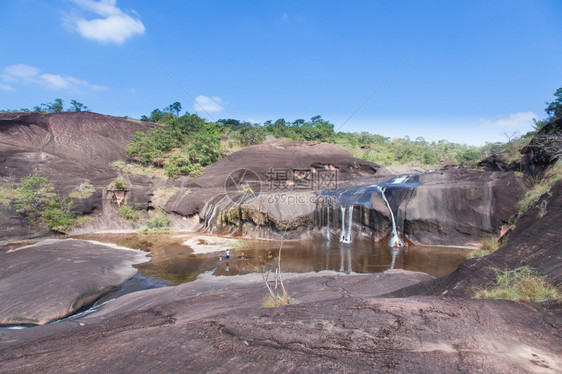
(554, 108)
(54, 107)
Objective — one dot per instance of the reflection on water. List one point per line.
(176, 263)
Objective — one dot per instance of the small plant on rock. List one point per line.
(277, 293)
(128, 213)
(118, 184)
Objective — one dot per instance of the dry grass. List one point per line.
(163, 194)
(540, 187)
(7, 195)
(489, 245)
(83, 191)
(521, 284)
(270, 301)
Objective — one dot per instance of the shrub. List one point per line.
(118, 184)
(57, 215)
(34, 193)
(520, 284)
(129, 214)
(158, 222)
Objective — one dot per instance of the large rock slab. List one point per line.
(52, 279)
(452, 207)
(339, 324)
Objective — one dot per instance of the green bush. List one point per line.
(159, 222)
(57, 215)
(128, 213)
(182, 145)
(35, 192)
(118, 184)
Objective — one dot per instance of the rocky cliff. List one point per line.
(68, 148)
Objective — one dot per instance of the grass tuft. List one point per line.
(270, 301)
(520, 284)
(489, 245)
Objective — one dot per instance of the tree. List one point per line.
(175, 107)
(554, 108)
(77, 106)
(55, 107)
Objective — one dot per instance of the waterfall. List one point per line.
(342, 238)
(395, 238)
(349, 222)
(345, 236)
(328, 233)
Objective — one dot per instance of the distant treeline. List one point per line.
(183, 145)
(57, 106)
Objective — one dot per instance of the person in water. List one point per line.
(227, 254)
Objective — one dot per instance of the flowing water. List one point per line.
(362, 197)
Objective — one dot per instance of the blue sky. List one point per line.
(475, 70)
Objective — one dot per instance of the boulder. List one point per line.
(49, 280)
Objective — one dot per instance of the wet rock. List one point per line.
(535, 242)
(455, 207)
(50, 280)
(262, 159)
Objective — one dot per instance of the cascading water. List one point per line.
(349, 222)
(361, 196)
(395, 240)
(328, 233)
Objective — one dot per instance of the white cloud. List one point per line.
(114, 26)
(5, 87)
(208, 104)
(19, 72)
(26, 74)
(521, 121)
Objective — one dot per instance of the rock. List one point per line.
(543, 149)
(459, 207)
(339, 324)
(534, 242)
(52, 279)
(499, 162)
(68, 148)
(455, 207)
(280, 156)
